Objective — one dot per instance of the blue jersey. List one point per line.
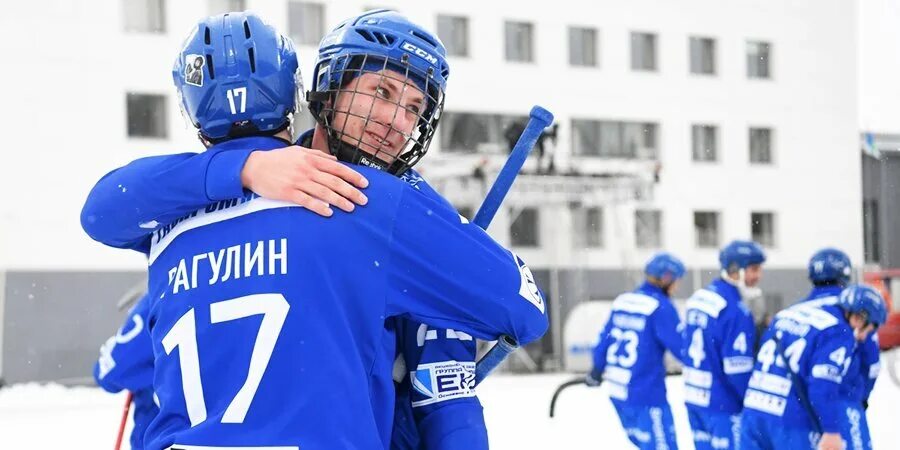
(800, 366)
(131, 202)
(126, 362)
(437, 390)
(717, 349)
(268, 355)
(864, 365)
(629, 355)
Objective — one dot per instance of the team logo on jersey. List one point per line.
(529, 288)
(193, 70)
(441, 381)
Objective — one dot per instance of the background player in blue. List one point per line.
(629, 355)
(112, 218)
(793, 400)
(829, 272)
(718, 340)
(126, 362)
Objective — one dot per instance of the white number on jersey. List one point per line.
(183, 335)
(838, 356)
(695, 350)
(767, 355)
(237, 92)
(626, 338)
(740, 343)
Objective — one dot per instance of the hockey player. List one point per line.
(829, 272)
(629, 355)
(376, 155)
(126, 362)
(718, 340)
(793, 399)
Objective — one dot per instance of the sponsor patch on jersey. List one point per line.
(442, 381)
(696, 396)
(697, 377)
(764, 402)
(806, 314)
(528, 288)
(827, 372)
(193, 70)
(617, 375)
(737, 364)
(772, 383)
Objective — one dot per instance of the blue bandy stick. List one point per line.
(539, 119)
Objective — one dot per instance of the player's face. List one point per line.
(672, 288)
(378, 112)
(861, 327)
(752, 275)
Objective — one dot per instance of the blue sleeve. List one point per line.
(824, 374)
(599, 352)
(871, 362)
(440, 390)
(129, 203)
(463, 280)
(667, 328)
(738, 337)
(126, 359)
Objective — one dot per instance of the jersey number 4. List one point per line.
(183, 336)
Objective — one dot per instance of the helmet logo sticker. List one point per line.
(419, 52)
(193, 70)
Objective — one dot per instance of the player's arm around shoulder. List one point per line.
(450, 273)
(823, 374)
(667, 327)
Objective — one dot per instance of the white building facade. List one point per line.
(687, 124)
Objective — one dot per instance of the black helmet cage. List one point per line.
(339, 73)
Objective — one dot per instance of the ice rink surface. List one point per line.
(516, 408)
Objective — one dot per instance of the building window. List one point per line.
(643, 51)
(648, 228)
(704, 142)
(761, 145)
(224, 6)
(525, 227)
(762, 228)
(703, 55)
(476, 133)
(454, 33)
(145, 16)
(608, 139)
(306, 22)
(146, 115)
(706, 229)
(587, 224)
(871, 231)
(759, 55)
(583, 47)
(519, 41)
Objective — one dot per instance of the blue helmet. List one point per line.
(237, 76)
(664, 266)
(830, 265)
(378, 42)
(865, 300)
(741, 254)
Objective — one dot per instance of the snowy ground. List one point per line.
(50, 416)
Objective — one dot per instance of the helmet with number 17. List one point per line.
(237, 76)
(378, 90)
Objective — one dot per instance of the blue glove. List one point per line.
(593, 379)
